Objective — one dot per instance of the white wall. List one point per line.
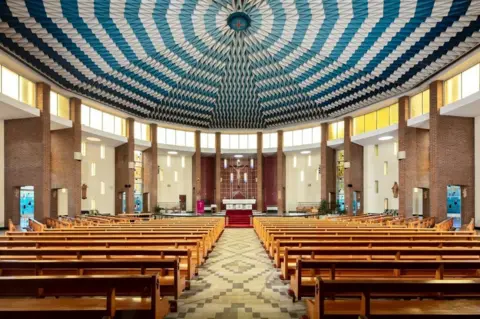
(105, 172)
(373, 171)
(477, 171)
(296, 190)
(168, 189)
(2, 175)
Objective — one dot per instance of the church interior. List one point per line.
(239, 159)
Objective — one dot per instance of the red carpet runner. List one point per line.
(238, 218)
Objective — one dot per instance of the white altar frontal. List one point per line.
(239, 203)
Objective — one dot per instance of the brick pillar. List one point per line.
(405, 193)
(328, 170)
(218, 171)
(75, 193)
(27, 159)
(66, 172)
(124, 176)
(260, 204)
(280, 174)
(150, 171)
(197, 170)
(451, 157)
(354, 174)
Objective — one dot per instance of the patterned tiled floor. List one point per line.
(238, 281)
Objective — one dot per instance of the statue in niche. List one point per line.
(84, 191)
(395, 190)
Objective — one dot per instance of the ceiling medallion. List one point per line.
(238, 21)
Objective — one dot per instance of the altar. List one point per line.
(239, 212)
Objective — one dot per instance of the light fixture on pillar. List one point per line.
(346, 164)
(77, 156)
(251, 163)
(402, 155)
(131, 165)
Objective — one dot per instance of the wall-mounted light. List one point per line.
(225, 163)
(385, 138)
(245, 177)
(231, 177)
(238, 156)
(172, 152)
(251, 163)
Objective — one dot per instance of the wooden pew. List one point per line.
(302, 283)
(171, 284)
(187, 268)
(372, 237)
(445, 225)
(108, 296)
(35, 225)
(310, 249)
(367, 306)
(193, 246)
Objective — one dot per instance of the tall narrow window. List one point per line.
(295, 161)
(102, 151)
(102, 188)
(302, 176)
(169, 161)
(385, 168)
(385, 203)
(84, 149)
(175, 176)
(309, 160)
(93, 205)
(395, 148)
(376, 187)
(93, 169)
(183, 161)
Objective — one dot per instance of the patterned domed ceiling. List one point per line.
(238, 63)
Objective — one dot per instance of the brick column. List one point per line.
(27, 159)
(150, 171)
(354, 174)
(405, 193)
(451, 157)
(280, 174)
(124, 176)
(328, 170)
(66, 172)
(197, 167)
(218, 171)
(260, 204)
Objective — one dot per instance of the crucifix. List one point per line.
(238, 168)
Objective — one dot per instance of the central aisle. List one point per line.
(238, 281)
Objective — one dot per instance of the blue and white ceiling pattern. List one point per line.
(238, 63)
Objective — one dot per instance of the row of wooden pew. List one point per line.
(347, 263)
(161, 255)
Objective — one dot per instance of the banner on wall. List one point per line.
(200, 206)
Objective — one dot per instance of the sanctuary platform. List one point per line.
(239, 213)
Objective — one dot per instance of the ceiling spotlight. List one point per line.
(385, 138)
(93, 139)
(305, 152)
(238, 156)
(172, 152)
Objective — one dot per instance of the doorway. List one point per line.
(356, 205)
(454, 204)
(27, 204)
